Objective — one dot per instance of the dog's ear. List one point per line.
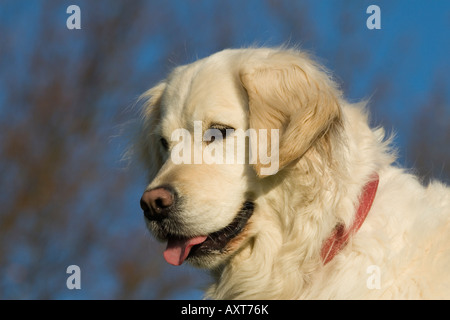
(288, 92)
(147, 142)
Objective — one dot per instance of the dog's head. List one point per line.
(214, 133)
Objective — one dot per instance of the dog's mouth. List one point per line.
(180, 249)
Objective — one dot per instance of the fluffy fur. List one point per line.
(327, 154)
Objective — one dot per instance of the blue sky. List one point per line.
(398, 67)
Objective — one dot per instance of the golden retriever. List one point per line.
(261, 172)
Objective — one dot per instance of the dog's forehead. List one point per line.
(208, 91)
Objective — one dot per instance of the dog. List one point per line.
(330, 217)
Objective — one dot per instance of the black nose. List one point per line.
(157, 203)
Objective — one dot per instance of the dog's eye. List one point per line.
(164, 143)
(223, 129)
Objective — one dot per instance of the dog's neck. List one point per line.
(298, 216)
(341, 234)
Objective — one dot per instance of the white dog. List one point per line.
(335, 220)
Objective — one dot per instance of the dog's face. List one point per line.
(205, 181)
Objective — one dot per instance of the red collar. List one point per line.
(339, 237)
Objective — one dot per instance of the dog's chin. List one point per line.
(204, 251)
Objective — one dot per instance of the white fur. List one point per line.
(406, 234)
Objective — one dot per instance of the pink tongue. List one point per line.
(178, 249)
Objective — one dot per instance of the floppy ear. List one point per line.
(286, 91)
(147, 144)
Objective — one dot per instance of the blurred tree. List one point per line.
(64, 195)
(429, 145)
